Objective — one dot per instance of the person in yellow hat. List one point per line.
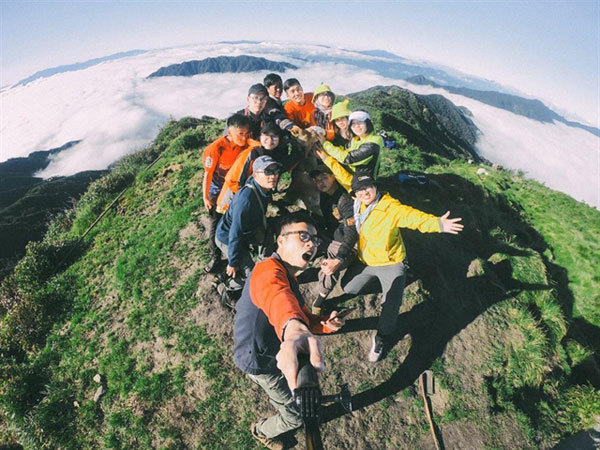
(339, 117)
(323, 99)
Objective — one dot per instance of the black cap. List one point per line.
(362, 180)
(270, 128)
(258, 88)
(321, 168)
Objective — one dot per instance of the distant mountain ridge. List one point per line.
(431, 122)
(78, 66)
(28, 202)
(220, 64)
(531, 108)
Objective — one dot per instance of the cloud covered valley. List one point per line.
(115, 110)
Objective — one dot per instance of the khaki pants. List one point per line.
(288, 414)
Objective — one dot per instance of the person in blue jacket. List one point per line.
(245, 224)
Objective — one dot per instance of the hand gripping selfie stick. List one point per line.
(309, 399)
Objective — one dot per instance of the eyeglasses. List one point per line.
(269, 172)
(305, 236)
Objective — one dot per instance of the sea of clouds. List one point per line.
(115, 110)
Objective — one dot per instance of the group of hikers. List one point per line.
(358, 231)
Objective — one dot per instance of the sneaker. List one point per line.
(227, 297)
(270, 443)
(376, 352)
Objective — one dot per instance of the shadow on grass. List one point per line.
(456, 297)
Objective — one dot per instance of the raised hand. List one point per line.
(450, 225)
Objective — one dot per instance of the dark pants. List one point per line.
(328, 282)
(214, 218)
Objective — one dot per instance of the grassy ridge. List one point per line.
(502, 314)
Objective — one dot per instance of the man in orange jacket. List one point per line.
(273, 324)
(218, 158)
(300, 108)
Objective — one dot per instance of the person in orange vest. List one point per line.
(272, 144)
(300, 109)
(323, 99)
(273, 325)
(218, 157)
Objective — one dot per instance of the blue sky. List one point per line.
(547, 49)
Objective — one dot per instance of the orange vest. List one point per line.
(241, 166)
(302, 115)
(218, 158)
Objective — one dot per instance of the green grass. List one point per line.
(130, 302)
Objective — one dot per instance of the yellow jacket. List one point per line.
(379, 239)
(361, 153)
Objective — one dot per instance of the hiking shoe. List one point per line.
(376, 352)
(228, 298)
(270, 443)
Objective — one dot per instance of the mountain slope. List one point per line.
(496, 312)
(221, 64)
(533, 109)
(430, 122)
(28, 203)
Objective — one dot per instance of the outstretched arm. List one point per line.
(298, 339)
(451, 226)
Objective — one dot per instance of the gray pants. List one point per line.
(288, 414)
(243, 271)
(327, 282)
(391, 278)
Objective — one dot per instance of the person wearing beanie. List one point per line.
(323, 99)
(259, 114)
(339, 117)
(363, 151)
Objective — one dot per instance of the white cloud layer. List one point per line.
(115, 110)
(564, 158)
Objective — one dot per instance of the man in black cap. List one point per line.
(259, 114)
(245, 223)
